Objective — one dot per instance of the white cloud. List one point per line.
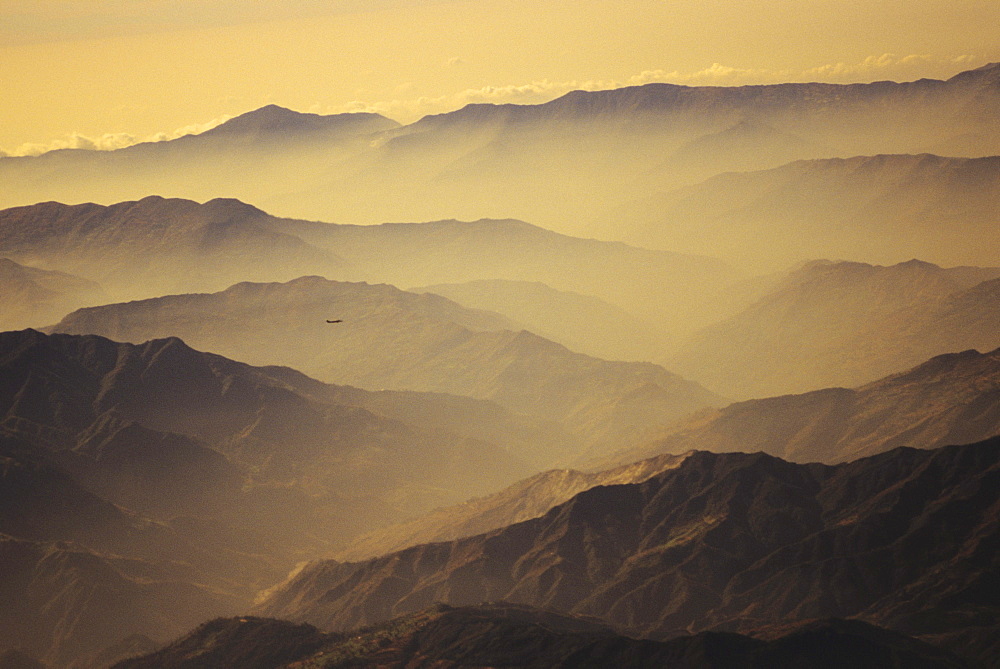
(109, 141)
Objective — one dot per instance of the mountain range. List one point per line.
(723, 542)
(391, 421)
(952, 398)
(521, 636)
(156, 246)
(949, 399)
(146, 488)
(392, 339)
(552, 163)
(844, 324)
(879, 208)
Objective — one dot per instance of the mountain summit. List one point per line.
(276, 121)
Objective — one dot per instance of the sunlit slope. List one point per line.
(526, 499)
(554, 163)
(736, 540)
(844, 324)
(952, 398)
(406, 341)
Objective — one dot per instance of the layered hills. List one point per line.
(37, 297)
(554, 163)
(77, 569)
(244, 157)
(169, 430)
(405, 341)
(671, 287)
(949, 399)
(146, 488)
(156, 246)
(513, 635)
(844, 324)
(879, 208)
(730, 542)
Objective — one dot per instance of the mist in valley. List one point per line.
(627, 377)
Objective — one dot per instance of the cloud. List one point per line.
(109, 141)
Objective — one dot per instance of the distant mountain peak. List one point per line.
(275, 120)
(989, 74)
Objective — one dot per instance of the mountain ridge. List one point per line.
(527, 161)
(844, 324)
(407, 341)
(724, 541)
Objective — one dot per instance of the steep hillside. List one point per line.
(146, 488)
(952, 398)
(526, 499)
(78, 569)
(394, 339)
(735, 541)
(844, 324)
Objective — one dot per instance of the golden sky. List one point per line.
(112, 72)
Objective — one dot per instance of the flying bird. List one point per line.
(339, 320)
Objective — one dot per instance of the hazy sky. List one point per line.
(111, 72)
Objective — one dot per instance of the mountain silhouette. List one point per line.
(157, 245)
(722, 542)
(512, 635)
(554, 163)
(146, 488)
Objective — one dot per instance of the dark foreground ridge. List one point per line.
(906, 540)
(520, 636)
